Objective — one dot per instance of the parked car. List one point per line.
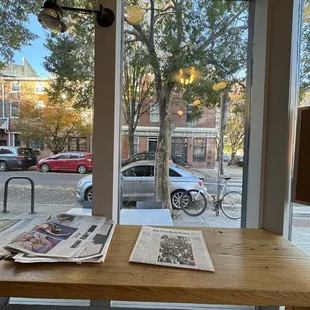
(80, 162)
(237, 160)
(226, 157)
(240, 161)
(138, 157)
(138, 183)
(12, 157)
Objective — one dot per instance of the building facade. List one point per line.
(193, 140)
(21, 83)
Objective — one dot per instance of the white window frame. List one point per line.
(274, 99)
(15, 91)
(154, 113)
(136, 145)
(13, 135)
(39, 105)
(35, 87)
(11, 104)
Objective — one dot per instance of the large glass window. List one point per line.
(185, 79)
(47, 98)
(300, 221)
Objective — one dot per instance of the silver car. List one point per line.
(138, 183)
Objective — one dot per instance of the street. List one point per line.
(50, 188)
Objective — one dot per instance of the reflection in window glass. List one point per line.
(185, 71)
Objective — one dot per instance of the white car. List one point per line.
(138, 183)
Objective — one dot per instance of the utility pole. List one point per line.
(223, 108)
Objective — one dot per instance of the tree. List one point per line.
(54, 124)
(14, 34)
(186, 41)
(138, 89)
(234, 131)
(189, 45)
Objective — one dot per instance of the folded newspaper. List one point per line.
(60, 238)
(172, 248)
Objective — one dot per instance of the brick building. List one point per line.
(17, 83)
(193, 141)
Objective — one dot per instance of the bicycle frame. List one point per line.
(223, 186)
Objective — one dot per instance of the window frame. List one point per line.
(154, 113)
(15, 91)
(35, 87)
(11, 109)
(202, 158)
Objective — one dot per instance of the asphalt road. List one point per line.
(50, 188)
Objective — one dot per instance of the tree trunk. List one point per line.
(233, 155)
(162, 192)
(131, 139)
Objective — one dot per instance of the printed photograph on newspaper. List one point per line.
(172, 248)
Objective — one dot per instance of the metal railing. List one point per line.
(6, 188)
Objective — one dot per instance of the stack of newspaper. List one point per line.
(60, 238)
(172, 248)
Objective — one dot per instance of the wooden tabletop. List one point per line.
(252, 267)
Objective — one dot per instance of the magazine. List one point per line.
(172, 248)
(64, 238)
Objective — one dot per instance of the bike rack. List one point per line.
(6, 187)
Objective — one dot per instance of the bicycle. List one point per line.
(194, 202)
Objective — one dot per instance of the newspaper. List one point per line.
(11, 228)
(172, 248)
(64, 238)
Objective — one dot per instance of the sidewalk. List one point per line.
(211, 175)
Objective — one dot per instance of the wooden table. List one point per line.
(253, 267)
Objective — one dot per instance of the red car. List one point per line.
(80, 162)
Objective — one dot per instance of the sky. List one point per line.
(36, 51)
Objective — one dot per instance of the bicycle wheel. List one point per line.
(196, 202)
(231, 205)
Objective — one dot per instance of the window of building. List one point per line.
(154, 113)
(136, 145)
(199, 150)
(39, 87)
(15, 87)
(190, 120)
(15, 109)
(17, 139)
(40, 104)
(36, 145)
(77, 144)
(152, 144)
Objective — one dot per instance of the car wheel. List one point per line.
(176, 199)
(82, 169)
(3, 166)
(45, 168)
(89, 194)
